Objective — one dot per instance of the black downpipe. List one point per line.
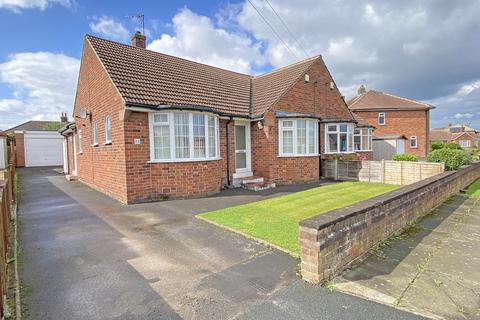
(227, 135)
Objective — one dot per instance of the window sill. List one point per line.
(95, 145)
(183, 160)
(344, 152)
(362, 151)
(107, 143)
(297, 155)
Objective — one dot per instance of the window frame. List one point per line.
(369, 137)
(94, 134)
(108, 130)
(350, 137)
(414, 138)
(294, 129)
(469, 143)
(384, 116)
(191, 146)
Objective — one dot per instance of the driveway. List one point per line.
(86, 256)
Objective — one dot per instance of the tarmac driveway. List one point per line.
(86, 256)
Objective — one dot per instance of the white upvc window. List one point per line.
(108, 130)
(362, 139)
(381, 118)
(339, 137)
(94, 134)
(413, 142)
(464, 143)
(298, 137)
(183, 136)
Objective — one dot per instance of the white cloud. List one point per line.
(109, 28)
(370, 16)
(197, 38)
(43, 85)
(463, 115)
(19, 5)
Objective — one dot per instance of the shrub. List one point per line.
(437, 145)
(405, 157)
(453, 158)
(453, 145)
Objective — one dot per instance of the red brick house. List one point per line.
(150, 126)
(464, 135)
(401, 125)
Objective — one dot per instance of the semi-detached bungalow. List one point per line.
(149, 126)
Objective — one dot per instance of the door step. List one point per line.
(258, 186)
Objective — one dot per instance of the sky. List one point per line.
(423, 50)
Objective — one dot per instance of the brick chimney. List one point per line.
(64, 117)
(139, 40)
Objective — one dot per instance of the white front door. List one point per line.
(243, 163)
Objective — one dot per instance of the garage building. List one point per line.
(38, 143)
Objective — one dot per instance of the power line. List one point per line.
(287, 28)
(275, 32)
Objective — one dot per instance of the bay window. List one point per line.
(183, 136)
(339, 138)
(298, 137)
(362, 139)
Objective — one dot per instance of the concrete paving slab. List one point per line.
(433, 271)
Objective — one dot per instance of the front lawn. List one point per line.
(276, 220)
(474, 190)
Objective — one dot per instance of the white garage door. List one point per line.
(43, 149)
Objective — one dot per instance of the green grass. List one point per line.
(276, 220)
(474, 190)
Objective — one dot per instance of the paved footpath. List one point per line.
(86, 256)
(433, 270)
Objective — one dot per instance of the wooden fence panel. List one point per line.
(7, 194)
(390, 172)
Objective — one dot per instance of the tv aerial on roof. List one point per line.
(140, 17)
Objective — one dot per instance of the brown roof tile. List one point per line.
(150, 78)
(378, 100)
(269, 88)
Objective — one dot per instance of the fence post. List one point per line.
(335, 169)
(382, 171)
(401, 173)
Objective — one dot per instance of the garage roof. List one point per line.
(34, 125)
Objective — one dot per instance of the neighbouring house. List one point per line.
(463, 134)
(38, 143)
(401, 125)
(149, 126)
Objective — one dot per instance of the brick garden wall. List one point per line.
(331, 241)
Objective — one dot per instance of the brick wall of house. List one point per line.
(70, 155)
(102, 166)
(20, 149)
(407, 123)
(316, 98)
(152, 181)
